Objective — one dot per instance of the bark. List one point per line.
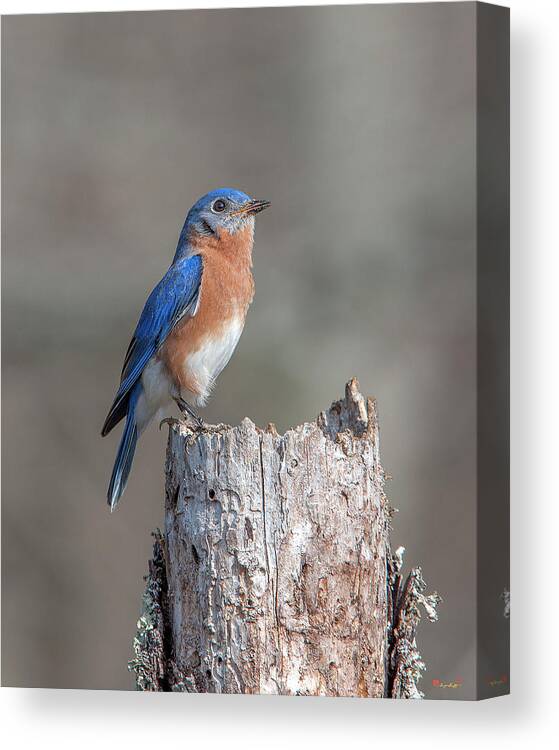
(274, 573)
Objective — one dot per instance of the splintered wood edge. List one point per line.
(362, 412)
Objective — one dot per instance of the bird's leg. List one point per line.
(187, 410)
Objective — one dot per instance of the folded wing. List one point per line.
(175, 296)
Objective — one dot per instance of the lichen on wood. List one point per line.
(274, 573)
(154, 671)
(404, 663)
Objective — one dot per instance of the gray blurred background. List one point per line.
(358, 123)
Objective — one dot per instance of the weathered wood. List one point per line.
(274, 574)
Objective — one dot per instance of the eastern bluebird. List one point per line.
(190, 324)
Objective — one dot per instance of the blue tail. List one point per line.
(126, 449)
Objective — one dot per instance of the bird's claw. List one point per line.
(172, 422)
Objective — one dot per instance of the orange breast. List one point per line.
(198, 347)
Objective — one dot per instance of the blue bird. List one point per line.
(190, 324)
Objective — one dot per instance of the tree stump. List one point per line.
(274, 573)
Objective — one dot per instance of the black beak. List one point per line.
(253, 207)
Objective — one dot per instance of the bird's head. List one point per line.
(221, 210)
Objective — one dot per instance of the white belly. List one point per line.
(205, 363)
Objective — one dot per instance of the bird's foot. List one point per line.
(188, 422)
(199, 423)
(187, 411)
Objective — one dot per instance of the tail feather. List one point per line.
(125, 455)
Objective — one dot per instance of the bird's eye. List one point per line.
(219, 206)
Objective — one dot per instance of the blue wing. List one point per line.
(176, 295)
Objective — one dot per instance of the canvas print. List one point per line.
(255, 351)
